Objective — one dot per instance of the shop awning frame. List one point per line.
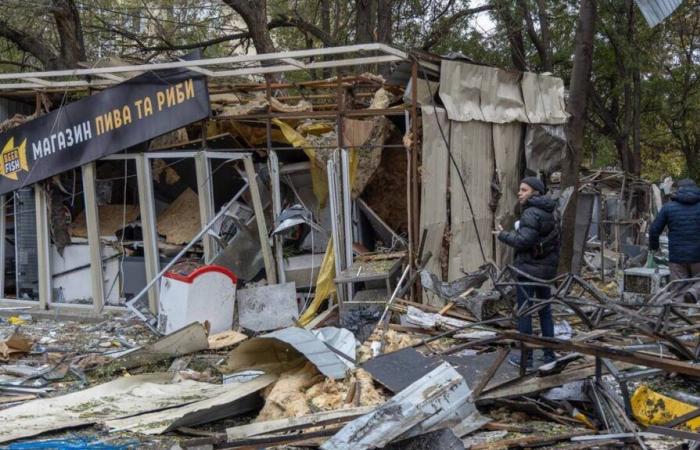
(231, 66)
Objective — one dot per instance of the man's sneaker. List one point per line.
(547, 358)
(514, 359)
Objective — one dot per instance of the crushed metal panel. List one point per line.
(501, 99)
(545, 147)
(544, 99)
(474, 367)
(434, 171)
(655, 11)
(268, 308)
(397, 370)
(472, 148)
(282, 349)
(440, 399)
(189, 339)
(460, 90)
(234, 399)
(507, 141)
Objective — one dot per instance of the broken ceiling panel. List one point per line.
(119, 398)
(233, 399)
(180, 221)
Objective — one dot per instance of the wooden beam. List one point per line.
(43, 245)
(92, 220)
(206, 201)
(270, 271)
(637, 358)
(148, 226)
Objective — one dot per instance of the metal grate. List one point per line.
(26, 252)
(638, 284)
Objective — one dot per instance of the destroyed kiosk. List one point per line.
(196, 255)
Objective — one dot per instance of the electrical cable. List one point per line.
(452, 158)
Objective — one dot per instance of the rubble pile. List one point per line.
(623, 377)
(299, 292)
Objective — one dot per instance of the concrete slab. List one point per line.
(268, 308)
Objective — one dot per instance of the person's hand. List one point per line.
(498, 229)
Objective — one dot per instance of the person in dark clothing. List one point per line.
(536, 243)
(682, 217)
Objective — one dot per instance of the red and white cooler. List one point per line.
(205, 293)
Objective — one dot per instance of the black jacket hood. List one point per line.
(544, 202)
(687, 195)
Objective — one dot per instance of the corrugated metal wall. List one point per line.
(655, 11)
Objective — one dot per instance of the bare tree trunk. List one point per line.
(254, 14)
(545, 33)
(541, 44)
(365, 13)
(514, 28)
(636, 91)
(326, 26)
(692, 161)
(384, 11)
(70, 32)
(578, 98)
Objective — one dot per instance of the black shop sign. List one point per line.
(117, 118)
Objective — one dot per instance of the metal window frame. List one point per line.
(147, 210)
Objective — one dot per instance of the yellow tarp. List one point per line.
(325, 287)
(319, 179)
(652, 408)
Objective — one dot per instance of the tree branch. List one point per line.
(446, 24)
(534, 37)
(28, 43)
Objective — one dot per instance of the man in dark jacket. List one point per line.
(536, 243)
(682, 217)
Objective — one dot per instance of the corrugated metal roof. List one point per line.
(304, 341)
(655, 11)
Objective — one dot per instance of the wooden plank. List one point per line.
(89, 173)
(446, 308)
(148, 227)
(43, 245)
(529, 441)
(15, 398)
(225, 339)
(295, 423)
(270, 271)
(205, 198)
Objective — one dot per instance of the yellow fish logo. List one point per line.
(14, 159)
